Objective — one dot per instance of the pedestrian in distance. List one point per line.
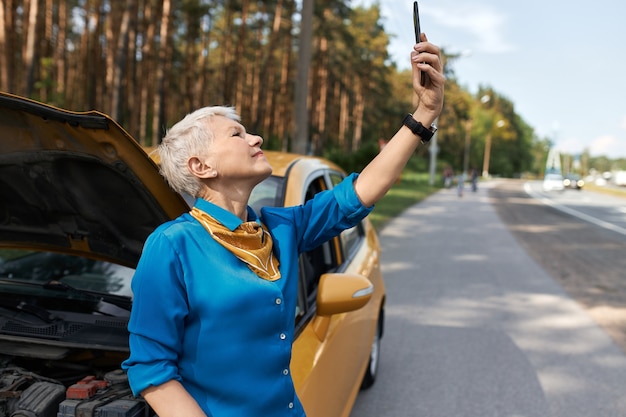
(448, 175)
(204, 340)
(474, 177)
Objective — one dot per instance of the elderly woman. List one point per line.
(215, 289)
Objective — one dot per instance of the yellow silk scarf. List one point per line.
(250, 242)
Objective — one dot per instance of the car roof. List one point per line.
(77, 183)
(282, 162)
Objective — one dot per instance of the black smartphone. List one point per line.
(418, 31)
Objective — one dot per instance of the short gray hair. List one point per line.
(190, 137)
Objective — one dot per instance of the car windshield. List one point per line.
(39, 267)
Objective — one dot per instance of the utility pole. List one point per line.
(433, 149)
(301, 116)
(468, 141)
(487, 155)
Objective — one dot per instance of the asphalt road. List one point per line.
(603, 210)
(579, 238)
(478, 327)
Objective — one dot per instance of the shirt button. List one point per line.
(290, 405)
(285, 371)
(283, 336)
(278, 301)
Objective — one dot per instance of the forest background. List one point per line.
(147, 63)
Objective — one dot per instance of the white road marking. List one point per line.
(573, 212)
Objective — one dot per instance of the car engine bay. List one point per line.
(63, 337)
(84, 383)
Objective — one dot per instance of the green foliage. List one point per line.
(353, 161)
(472, 126)
(601, 163)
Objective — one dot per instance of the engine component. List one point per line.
(117, 408)
(41, 399)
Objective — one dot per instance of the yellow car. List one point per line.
(78, 197)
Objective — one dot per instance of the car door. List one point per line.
(330, 353)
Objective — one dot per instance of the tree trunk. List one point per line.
(145, 69)
(4, 76)
(344, 117)
(111, 33)
(255, 83)
(359, 109)
(159, 94)
(29, 50)
(281, 113)
(190, 74)
(301, 116)
(59, 54)
(119, 67)
(320, 110)
(10, 48)
(228, 68)
(95, 65)
(238, 78)
(204, 81)
(130, 100)
(45, 51)
(78, 72)
(48, 28)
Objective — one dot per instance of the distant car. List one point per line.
(553, 182)
(78, 198)
(620, 178)
(573, 181)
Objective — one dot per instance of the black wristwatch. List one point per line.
(418, 129)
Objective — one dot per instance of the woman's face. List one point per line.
(236, 154)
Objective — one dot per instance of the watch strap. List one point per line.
(419, 129)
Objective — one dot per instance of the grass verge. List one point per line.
(411, 189)
(619, 192)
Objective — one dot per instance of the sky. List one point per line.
(562, 63)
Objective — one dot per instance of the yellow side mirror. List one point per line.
(341, 293)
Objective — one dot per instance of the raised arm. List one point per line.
(381, 173)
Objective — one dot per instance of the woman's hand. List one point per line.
(172, 399)
(426, 58)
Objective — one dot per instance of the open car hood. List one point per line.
(77, 183)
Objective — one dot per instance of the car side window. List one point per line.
(266, 194)
(314, 263)
(319, 260)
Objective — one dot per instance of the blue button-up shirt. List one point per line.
(200, 316)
